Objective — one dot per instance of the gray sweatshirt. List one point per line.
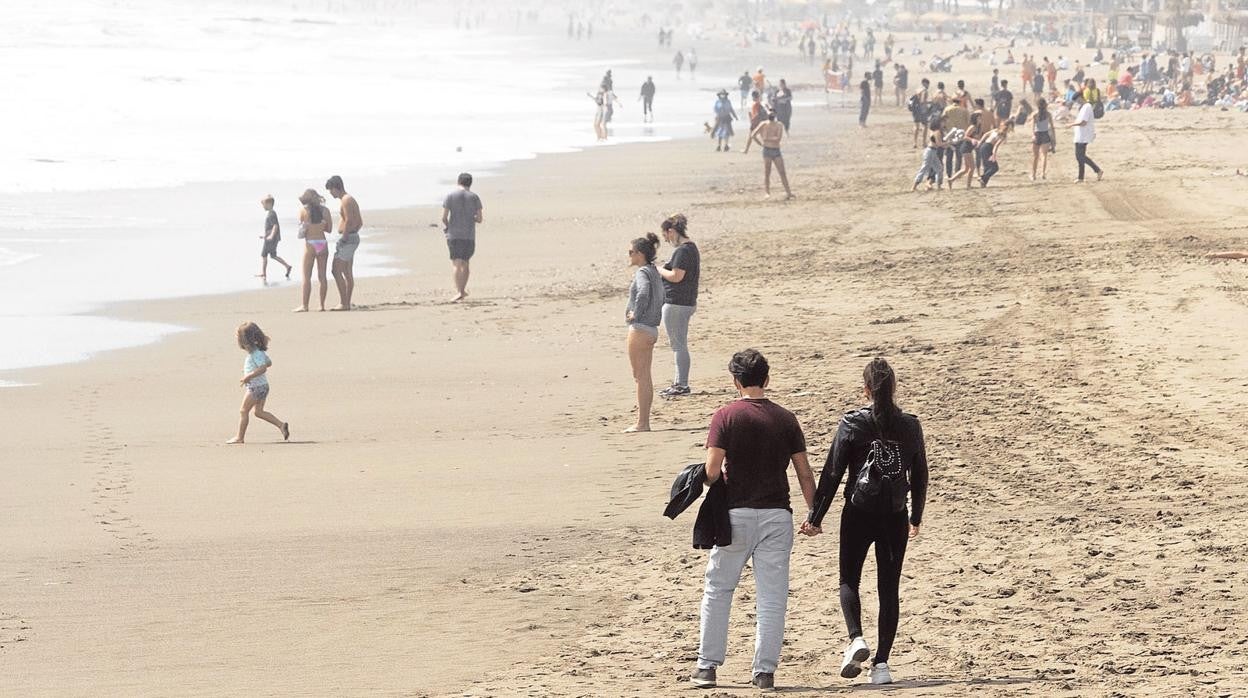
(645, 296)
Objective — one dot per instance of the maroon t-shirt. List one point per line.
(759, 437)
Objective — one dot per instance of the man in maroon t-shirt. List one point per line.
(751, 443)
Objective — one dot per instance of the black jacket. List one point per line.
(713, 526)
(849, 452)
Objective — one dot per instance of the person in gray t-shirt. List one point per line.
(461, 212)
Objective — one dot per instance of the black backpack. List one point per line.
(934, 116)
(883, 481)
(913, 104)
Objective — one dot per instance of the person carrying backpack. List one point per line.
(881, 448)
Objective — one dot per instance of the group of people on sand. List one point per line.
(664, 296)
(769, 123)
(747, 517)
(461, 212)
(315, 224)
(964, 136)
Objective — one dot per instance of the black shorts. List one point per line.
(1041, 138)
(462, 249)
(270, 248)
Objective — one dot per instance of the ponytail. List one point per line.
(647, 246)
(881, 382)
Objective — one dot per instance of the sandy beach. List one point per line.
(457, 512)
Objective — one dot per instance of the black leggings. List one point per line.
(889, 532)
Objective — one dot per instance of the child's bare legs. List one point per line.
(249, 404)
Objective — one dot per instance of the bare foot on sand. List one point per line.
(340, 308)
(301, 310)
(233, 441)
(459, 297)
(636, 429)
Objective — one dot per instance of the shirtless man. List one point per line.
(768, 135)
(349, 224)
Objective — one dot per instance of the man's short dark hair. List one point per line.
(750, 368)
(465, 180)
(335, 182)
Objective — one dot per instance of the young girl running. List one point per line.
(253, 341)
(881, 448)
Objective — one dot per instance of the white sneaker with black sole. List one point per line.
(855, 655)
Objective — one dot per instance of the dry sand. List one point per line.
(458, 513)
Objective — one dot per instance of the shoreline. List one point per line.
(458, 514)
(163, 209)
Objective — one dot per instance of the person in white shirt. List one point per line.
(1085, 132)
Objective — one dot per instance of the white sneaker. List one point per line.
(880, 674)
(855, 655)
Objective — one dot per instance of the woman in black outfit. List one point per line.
(893, 440)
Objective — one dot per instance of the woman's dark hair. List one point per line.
(750, 368)
(881, 382)
(1042, 110)
(250, 336)
(312, 201)
(677, 222)
(648, 246)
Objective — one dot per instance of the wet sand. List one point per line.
(458, 513)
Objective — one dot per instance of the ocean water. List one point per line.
(141, 134)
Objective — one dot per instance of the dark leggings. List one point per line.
(1081, 156)
(889, 532)
(990, 166)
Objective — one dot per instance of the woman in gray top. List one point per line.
(645, 311)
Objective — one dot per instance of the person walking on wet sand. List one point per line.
(768, 135)
(647, 99)
(881, 450)
(272, 236)
(1085, 132)
(750, 444)
(349, 224)
(461, 212)
(256, 384)
(680, 283)
(643, 315)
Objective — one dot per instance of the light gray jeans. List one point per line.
(676, 320)
(766, 535)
